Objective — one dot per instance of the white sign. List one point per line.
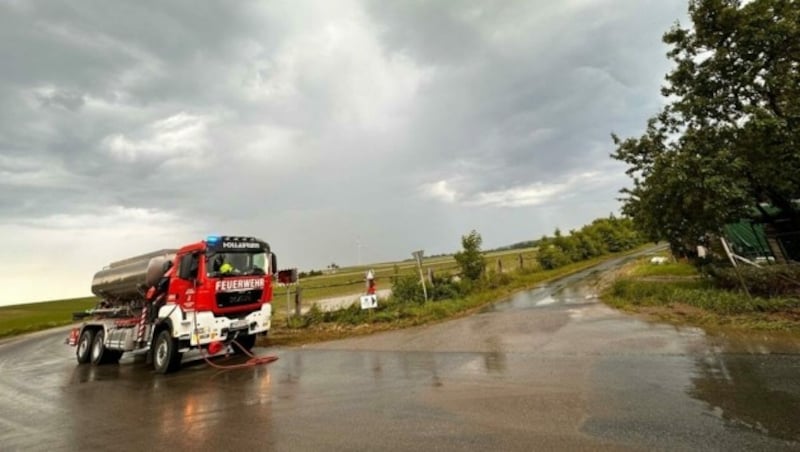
(369, 301)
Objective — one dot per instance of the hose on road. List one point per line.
(252, 361)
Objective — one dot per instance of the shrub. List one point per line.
(314, 315)
(495, 279)
(470, 258)
(769, 281)
(443, 290)
(408, 289)
(696, 293)
(552, 256)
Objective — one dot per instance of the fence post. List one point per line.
(288, 304)
(298, 300)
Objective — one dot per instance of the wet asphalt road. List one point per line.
(549, 369)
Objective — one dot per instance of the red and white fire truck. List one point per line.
(202, 296)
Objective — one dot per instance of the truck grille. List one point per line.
(228, 299)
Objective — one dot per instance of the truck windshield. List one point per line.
(236, 264)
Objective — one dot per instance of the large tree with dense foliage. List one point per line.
(729, 137)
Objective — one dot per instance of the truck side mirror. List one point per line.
(273, 264)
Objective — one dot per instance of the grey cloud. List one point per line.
(578, 77)
(436, 33)
(312, 117)
(69, 100)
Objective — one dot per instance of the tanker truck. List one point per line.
(168, 302)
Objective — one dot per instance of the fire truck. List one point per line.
(202, 296)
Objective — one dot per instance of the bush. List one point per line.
(695, 293)
(352, 315)
(444, 290)
(495, 280)
(470, 258)
(552, 256)
(769, 281)
(408, 289)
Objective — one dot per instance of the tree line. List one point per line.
(602, 236)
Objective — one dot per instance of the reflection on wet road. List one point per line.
(550, 368)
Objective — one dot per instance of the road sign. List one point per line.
(369, 301)
(418, 257)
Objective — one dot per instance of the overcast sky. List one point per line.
(314, 125)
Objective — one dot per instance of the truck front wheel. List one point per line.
(82, 351)
(166, 357)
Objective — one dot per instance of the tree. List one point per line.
(730, 137)
(470, 259)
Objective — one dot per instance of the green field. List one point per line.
(25, 318)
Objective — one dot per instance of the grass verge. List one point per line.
(684, 297)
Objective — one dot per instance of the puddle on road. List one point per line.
(575, 289)
(755, 392)
(544, 296)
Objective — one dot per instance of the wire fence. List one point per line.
(387, 273)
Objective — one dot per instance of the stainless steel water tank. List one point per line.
(126, 279)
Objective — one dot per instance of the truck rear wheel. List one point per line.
(166, 357)
(100, 354)
(82, 351)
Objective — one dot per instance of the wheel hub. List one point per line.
(161, 353)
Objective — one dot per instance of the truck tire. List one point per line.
(166, 357)
(100, 354)
(83, 350)
(246, 342)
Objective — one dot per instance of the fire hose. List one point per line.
(252, 360)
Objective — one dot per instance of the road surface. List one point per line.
(548, 369)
